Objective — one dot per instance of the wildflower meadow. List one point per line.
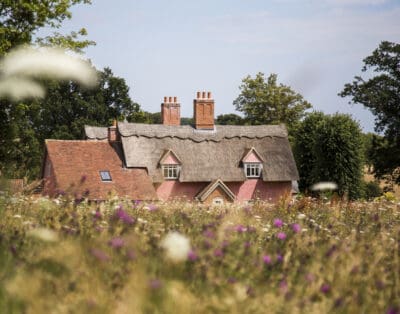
(119, 256)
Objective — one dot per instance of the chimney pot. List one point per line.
(209, 95)
(204, 95)
(170, 99)
(175, 99)
(165, 99)
(198, 95)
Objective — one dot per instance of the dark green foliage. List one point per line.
(186, 121)
(372, 190)
(61, 115)
(263, 101)
(381, 95)
(229, 119)
(329, 148)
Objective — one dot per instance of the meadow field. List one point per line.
(306, 256)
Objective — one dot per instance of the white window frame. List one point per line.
(252, 169)
(170, 172)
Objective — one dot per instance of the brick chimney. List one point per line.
(113, 132)
(203, 111)
(171, 111)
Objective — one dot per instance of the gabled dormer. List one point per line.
(252, 163)
(170, 165)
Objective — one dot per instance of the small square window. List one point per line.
(105, 175)
(252, 170)
(170, 171)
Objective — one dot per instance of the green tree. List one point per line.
(61, 115)
(265, 102)
(381, 95)
(229, 119)
(20, 20)
(329, 148)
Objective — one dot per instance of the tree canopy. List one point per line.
(61, 115)
(20, 20)
(330, 148)
(229, 119)
(264, 101)
(381, 95)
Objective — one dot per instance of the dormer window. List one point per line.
(252, 170)
(252, 163)
(170, 171)
(170, 165)
(105, 176)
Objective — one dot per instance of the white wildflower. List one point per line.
(43, 234)
(265, 229)
(48, 62)
(301, 216)
(324, 186)
(17, 216)
(176, 246)
(304, 230)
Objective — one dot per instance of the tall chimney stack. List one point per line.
(113, 132)
(203, 111)
(171, 111)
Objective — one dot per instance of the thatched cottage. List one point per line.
(205, 162)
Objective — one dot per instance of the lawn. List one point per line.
(307, 256)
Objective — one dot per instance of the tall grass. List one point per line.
(57, 256)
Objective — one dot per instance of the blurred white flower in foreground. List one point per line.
(43, 234)
(177, 246)
(21, 67)
(324, 186)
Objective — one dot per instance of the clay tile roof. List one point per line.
(207, 155)
(74, 160)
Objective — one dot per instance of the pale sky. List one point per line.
(176, 47)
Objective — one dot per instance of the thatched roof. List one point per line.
(96, 132)
(209, 155)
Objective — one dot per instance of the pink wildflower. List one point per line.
(278, 223)
(281, 235)
(296, 228)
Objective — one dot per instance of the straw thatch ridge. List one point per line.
(96, 132)
(209, 155)
(183, 132)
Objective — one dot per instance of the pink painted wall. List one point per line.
(252, 157)
(244, 191)
(170, 160)
(256, 188)
(171, 189)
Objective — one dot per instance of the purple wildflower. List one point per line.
(310, 277)
(296, 228)
(279, 258)
(267, 259)
(247, 245)
(97, 214)
(155, 284)
(209, 234)
(124, 216)
(225, 244)
(278, 223)
(240, 228)
(100, 255)
(207, 244)
(218, 253)
(116, 243)
(131, 255)
(281, 235)
(152, 207)
(393, 310)
(325, 288)
(192, 256)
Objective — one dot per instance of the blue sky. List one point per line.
(176, 47)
